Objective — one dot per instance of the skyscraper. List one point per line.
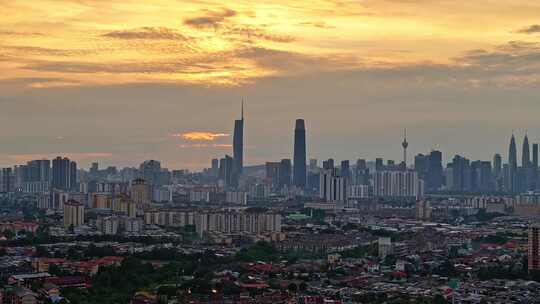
(435, 171)
(38, 170)
(535, 156)
(421, 165)
(379, 164)
(481, 176)
(150, 171)
(345, 169)
(497, 172)
(73, 185)
(238, 146)
(6, 180)
(461, 174)
(512, 181)
(535, 165)
(215, 167)
(285, 172)
(226, 165)
(526, 156)
(299, 174)
(272, 174)
(64, 174)
(512, 153)
(328, 164)
(497, 165)
(332, 186)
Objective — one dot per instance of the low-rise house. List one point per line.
(22, 295)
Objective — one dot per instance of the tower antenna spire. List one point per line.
(242, 108)
(405, 144)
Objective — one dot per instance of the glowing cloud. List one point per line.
(200, 136)
(202, 146)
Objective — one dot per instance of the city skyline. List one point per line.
(118, 89)
(225, 148)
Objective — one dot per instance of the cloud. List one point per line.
(36, 50)
(22, 34)
(533, 29)
(210, 19)
(200, 136)
(203, 146)
(512, 58)
(148, 33)
(37, 82)
(317, 24)
(256, 33)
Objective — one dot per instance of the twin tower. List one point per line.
(299, 171)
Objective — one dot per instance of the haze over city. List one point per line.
(121, 81)
(269, 152)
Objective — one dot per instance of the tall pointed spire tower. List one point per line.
(512, 182)
(512, 153)
(526, 153)
(405, 145)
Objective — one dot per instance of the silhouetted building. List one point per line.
(38, 171)
(361, 173)
(328, 164)
(535, 156)
(272, 174)
(379, 164)
(278, 174)
(215, 167)
(526, 156)
(150, 171)
(497, 173)
(482, 178)
(460, 174)
(345, 169)
(511, 182)
(527, 176)
(238, 148)
(421, 165)
(299, 175)
(434, 179)
(6, 180)
(64, 174)
(226, 165)
(285, 173)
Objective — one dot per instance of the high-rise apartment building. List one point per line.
(150, 171)
(534, 248)
(64, 174)
(140, 192)
(6, 180)
(397, 184)
(73, 214)
(226, 166)
(332, 186)
(434, 178)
